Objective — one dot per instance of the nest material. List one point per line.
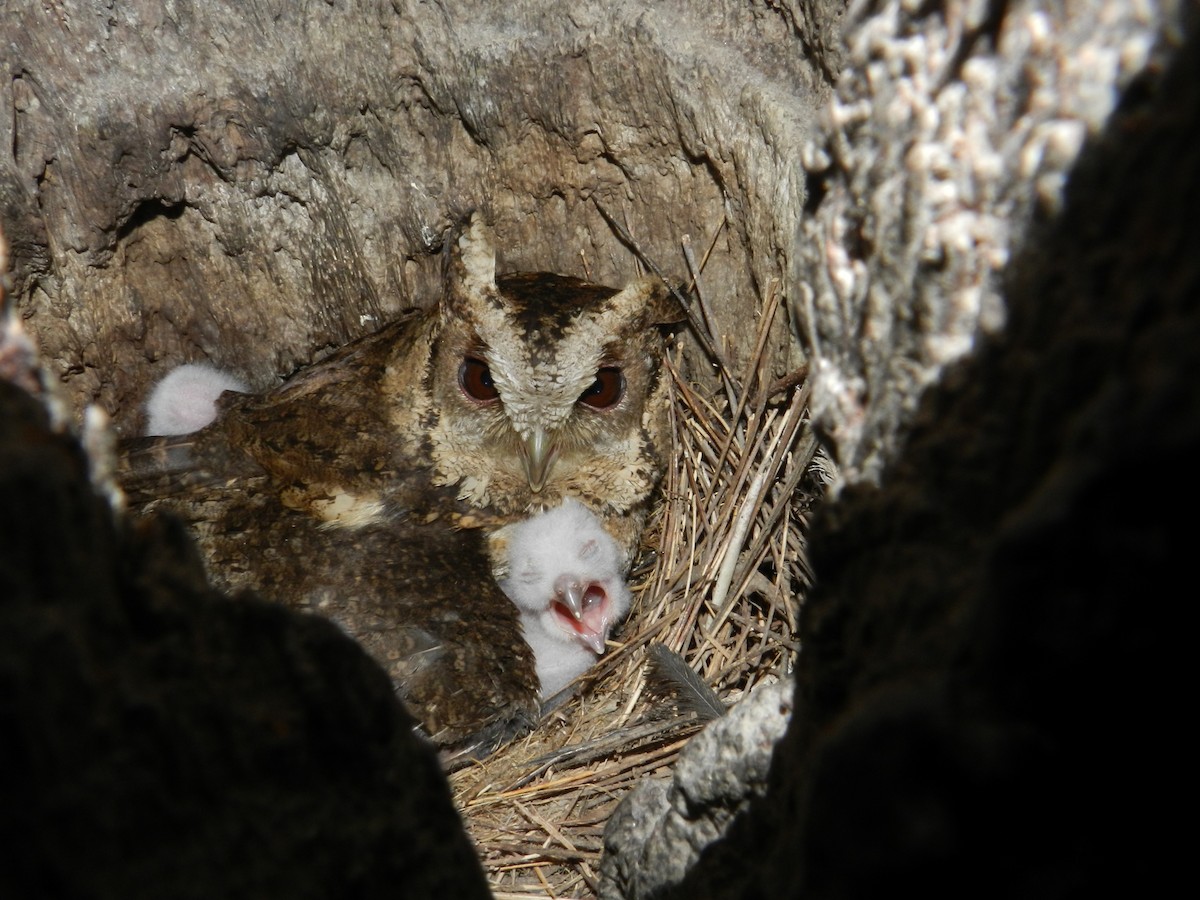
(725, 573)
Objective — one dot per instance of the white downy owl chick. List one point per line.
(185, 400)
(564, 575)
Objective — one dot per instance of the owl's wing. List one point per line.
(325, 431)
(456, 650)
(329, 422)
(421, 599)
(398, 573)
(180, 467)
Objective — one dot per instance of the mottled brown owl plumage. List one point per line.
(368, 486)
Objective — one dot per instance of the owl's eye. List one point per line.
(606, 391)
(475, 378)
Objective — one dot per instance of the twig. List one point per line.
(709, 320)
(697, 325)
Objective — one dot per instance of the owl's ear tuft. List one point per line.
(649, 301)
(471, 272)
(667, 308)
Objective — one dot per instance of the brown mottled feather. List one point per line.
(420, 598)
(367, 486)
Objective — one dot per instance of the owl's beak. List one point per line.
(572, 594)
(538, 457)
(595, 630)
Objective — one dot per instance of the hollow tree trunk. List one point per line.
(255, 184)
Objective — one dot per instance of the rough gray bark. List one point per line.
(187, 182)
(661, 828)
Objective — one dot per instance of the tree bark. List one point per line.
(188, 183)
(998, 330)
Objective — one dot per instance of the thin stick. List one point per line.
(709, 319)
(697, 325)
(755, 360)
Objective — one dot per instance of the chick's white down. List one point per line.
(185, 400)
(565, 576)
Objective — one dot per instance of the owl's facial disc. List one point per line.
(538, 421)
(539, 448)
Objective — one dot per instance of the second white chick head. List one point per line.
(185, 400)
(565, 575)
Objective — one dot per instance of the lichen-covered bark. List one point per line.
(952, 131)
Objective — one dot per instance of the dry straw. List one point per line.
(724, 573)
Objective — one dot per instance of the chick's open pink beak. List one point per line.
(583, 610)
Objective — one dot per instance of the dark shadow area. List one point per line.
(161, 740)
(983, 703)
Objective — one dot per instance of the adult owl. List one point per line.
(370, 486)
